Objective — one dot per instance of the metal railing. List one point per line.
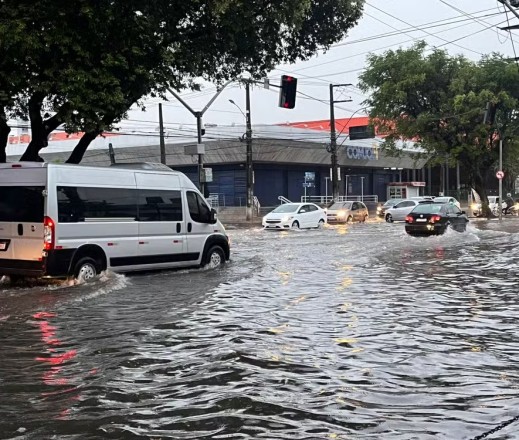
(216, 200)
(283, 199)
(256, 205)
(326, 200)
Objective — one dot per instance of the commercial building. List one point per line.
(289, 160)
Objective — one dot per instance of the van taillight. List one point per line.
(48, 233)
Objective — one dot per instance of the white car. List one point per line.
(295, 216)
(400, 210)
(493, 202)
(450, 200)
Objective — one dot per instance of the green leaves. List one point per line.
(439, 101)
(101, 56)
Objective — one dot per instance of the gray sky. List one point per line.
(471, 26)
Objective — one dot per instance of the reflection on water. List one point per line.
(353, 331)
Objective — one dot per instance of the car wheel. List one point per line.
(349, 219)
(365, 218)
(295, 225)
(215, 257)
(15, 279)
(320, 224)
(389, 218)
(86, 269)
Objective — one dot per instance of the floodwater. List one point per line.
(349, 332)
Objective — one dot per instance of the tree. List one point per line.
(438, 101)
(86, 63)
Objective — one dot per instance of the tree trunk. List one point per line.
(41, 129)
(4, 135)
(480, 187)
(38, 138)
(79, 150)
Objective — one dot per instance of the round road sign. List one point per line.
(500, 174)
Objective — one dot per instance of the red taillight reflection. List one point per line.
(48, 233)
(409, 219)
(435, 219)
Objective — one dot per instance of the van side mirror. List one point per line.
(212, 219)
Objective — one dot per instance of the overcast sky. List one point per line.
(468, 27)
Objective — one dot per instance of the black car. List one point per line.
(434, 219)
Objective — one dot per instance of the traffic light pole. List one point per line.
(333, 141)
(198, 116)
(509, 6)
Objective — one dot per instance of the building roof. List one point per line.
(286, 143)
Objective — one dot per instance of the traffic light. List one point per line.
(288, 91)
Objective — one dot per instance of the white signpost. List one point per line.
(500, 176)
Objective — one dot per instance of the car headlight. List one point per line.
(341, 213)
(474, 206)
(287, 218)
(379, 209)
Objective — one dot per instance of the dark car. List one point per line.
(434, 219)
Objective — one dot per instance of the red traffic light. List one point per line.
(288, 92)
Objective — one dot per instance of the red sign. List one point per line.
(500, 175)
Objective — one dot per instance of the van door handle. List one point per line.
(178, 228)
(20, 229)
(189, 227)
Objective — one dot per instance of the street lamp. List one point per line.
(238, 107)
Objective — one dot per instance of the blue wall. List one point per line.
(287, 180)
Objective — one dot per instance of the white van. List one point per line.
(60, 220)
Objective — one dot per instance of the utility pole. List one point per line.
(161, 131)
(111, 153)
(201, 176)
(250, 172)
(333, 141)
(500, 204)
(198, 116)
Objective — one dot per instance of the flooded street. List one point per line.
(349, 332)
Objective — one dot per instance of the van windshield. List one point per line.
(21, 204)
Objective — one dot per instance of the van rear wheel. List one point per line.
(215, 257)
(86, 269)
(15, 279)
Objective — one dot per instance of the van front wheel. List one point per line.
(215, 257)
(86, 269)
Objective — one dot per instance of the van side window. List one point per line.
(160, 206)
(75, 204)
(198, 209)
